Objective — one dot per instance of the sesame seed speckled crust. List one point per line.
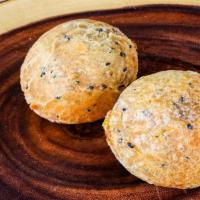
(157, 137)
(74, 72)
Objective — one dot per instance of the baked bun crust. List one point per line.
(75, 72)
(154, 129)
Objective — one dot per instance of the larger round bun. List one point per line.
(154, 129)
(75, 72)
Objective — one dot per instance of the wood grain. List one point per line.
(42, 160)
(18, 13)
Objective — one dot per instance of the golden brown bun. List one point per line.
(75, 72)
(154, 129)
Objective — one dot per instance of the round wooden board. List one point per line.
(42, 160)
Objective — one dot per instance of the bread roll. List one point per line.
(75, 72)
(154, 129)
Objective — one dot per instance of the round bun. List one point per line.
(75, 72)
(154, 129)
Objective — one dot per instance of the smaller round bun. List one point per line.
(75, 72)
(154, 129)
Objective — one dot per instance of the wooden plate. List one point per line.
(42, 160)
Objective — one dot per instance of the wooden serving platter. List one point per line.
(42, 160)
